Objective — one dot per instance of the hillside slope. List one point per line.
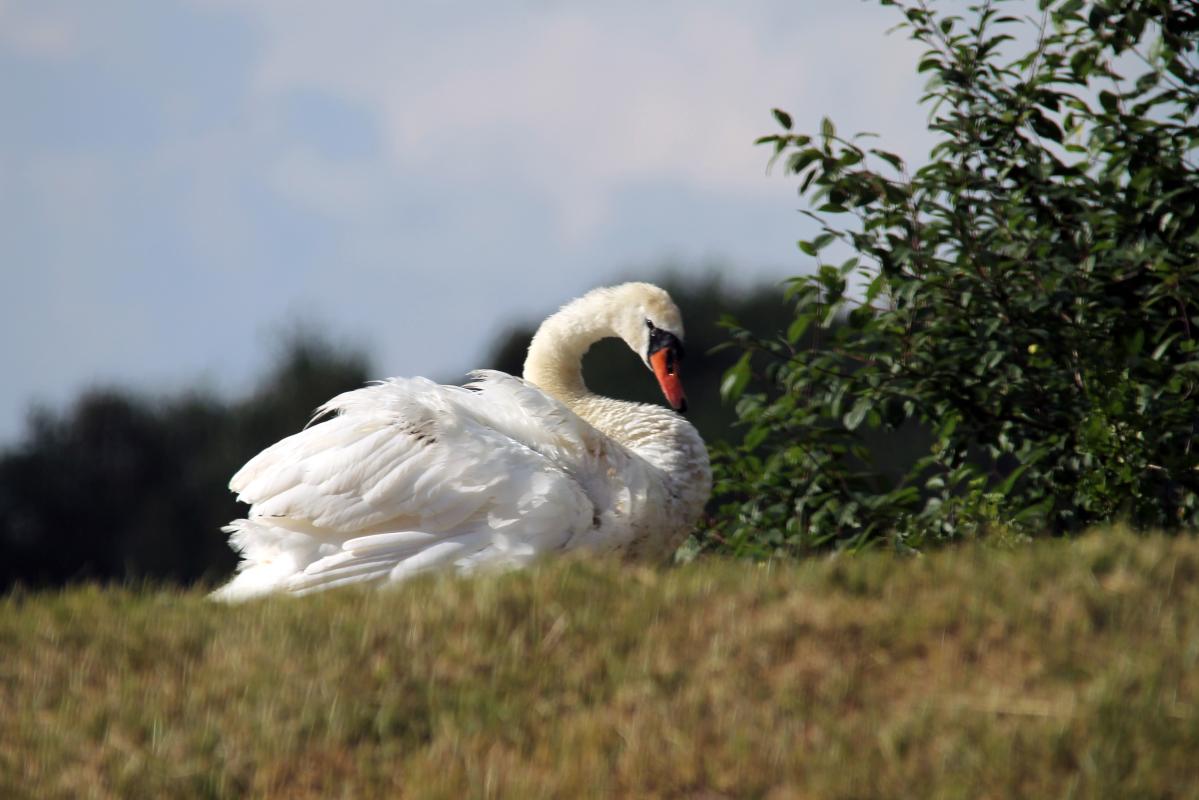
(972, 672)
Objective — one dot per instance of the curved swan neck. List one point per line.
(555, 359)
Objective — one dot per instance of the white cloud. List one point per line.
(575, 101)
(343, 190)
(514, 154)
(37, 31)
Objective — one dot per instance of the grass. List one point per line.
(1061, 668)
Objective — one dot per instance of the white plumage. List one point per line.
(408, 475)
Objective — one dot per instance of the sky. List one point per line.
(185, 181)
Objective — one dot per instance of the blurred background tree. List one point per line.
(124, 486)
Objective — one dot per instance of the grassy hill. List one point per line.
(1052, 669)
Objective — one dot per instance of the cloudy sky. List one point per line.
(183, 180)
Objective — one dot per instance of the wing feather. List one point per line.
(409, 475)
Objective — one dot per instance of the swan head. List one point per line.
(641, 314)
(650, 323)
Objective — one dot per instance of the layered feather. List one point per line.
(409, 475)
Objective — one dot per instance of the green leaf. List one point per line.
(854, 417)
(1010, 480)
(798, 161)
(892, 159)
(736, 378)
(1046, 128)
(822, 241)
(797, 328)
(1160, 350)
(755, 436)
(874, 288)
(783, 117)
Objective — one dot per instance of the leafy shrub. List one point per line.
(1028, 298)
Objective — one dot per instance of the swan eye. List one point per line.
(660, 339)
(650, 325)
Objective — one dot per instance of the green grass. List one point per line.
(1049, 670)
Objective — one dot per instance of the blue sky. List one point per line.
(183, 181)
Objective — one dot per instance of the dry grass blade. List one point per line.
(970, 672)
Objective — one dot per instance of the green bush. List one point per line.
(1028, 299)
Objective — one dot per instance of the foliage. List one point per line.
(125, 486)
(1029, 297)
(1061, 669)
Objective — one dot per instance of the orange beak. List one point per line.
(666, 368)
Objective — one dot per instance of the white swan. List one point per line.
(411, 476)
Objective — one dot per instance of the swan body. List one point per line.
(408, 475)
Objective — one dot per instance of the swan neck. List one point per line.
(555, 360)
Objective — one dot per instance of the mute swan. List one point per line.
(410, 476)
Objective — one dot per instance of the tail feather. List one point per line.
(277, 559)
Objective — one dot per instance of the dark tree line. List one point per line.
(124, 486)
